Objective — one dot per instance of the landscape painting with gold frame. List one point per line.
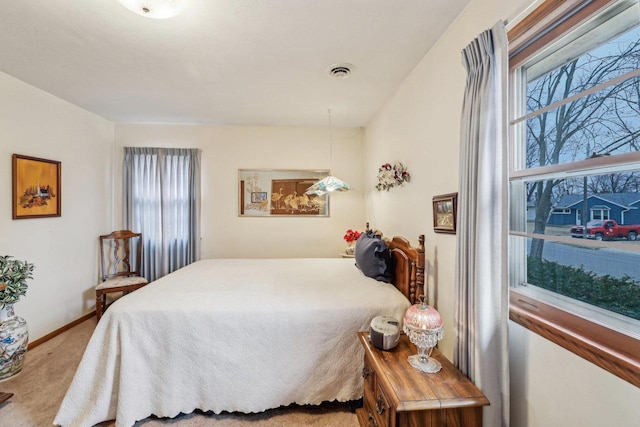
(36, 187)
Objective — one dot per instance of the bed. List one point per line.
(241, 335)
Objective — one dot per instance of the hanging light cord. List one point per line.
(330, 143)
(329, 182)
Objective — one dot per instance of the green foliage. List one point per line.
(14, 274)
(620, 295)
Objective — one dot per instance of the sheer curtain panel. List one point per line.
(162, 201)
(481, 315)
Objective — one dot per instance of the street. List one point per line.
(613, 262)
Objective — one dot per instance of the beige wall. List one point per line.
(64, 249)
(225, 149)
(551, 386)
(419, 125)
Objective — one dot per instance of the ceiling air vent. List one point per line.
(340, 71)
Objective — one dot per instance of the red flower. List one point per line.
(351, 235)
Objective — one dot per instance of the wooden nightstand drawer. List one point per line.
(376, 405)
(366, 415)
(381, 407)
(398, 395)
(368, 374)
(374, 413)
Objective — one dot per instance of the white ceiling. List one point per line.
(244, 62)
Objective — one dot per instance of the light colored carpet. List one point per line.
(49, 369)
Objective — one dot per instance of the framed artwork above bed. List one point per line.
(280, 192)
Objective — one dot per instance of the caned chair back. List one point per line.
(120, 254)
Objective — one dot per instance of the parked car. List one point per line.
(606, 230)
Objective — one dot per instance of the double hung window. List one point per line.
(162, 201)
(575, 154)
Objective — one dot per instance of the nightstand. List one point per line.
(398, 395)
(5, 396)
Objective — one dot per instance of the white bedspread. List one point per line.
(230, 335)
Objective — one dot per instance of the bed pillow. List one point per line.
(373, 257)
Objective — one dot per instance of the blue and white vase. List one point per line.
(14, 338)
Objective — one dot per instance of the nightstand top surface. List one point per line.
(416, 390)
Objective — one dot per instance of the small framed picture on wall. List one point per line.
(445, 210)
(36, 187)
(258, 196)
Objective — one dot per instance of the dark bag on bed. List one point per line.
(373, 257)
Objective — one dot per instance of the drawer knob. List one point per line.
(366, 371)
(372, 420)
(380, 407)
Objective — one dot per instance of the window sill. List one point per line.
(613, 351)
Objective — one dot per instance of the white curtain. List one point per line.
(481, 316)
(162, 201)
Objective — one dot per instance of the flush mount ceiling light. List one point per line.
(340, 71)
(155, 9)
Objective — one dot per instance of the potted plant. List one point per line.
(14, 335)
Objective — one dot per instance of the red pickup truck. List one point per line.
(605, 230)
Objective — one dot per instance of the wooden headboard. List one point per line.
(409, 265)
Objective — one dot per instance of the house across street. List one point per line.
(624, 208)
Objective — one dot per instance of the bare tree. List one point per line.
(614, 183)
(588, 123)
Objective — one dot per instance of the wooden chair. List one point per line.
(121, 259)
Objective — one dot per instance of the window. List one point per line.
(600, 212)
(575, 149)
(162, 201)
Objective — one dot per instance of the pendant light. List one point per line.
(329, 183)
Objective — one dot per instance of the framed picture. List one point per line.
(445, 210)
(36, 187)
(258, 196)
(280, 193)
